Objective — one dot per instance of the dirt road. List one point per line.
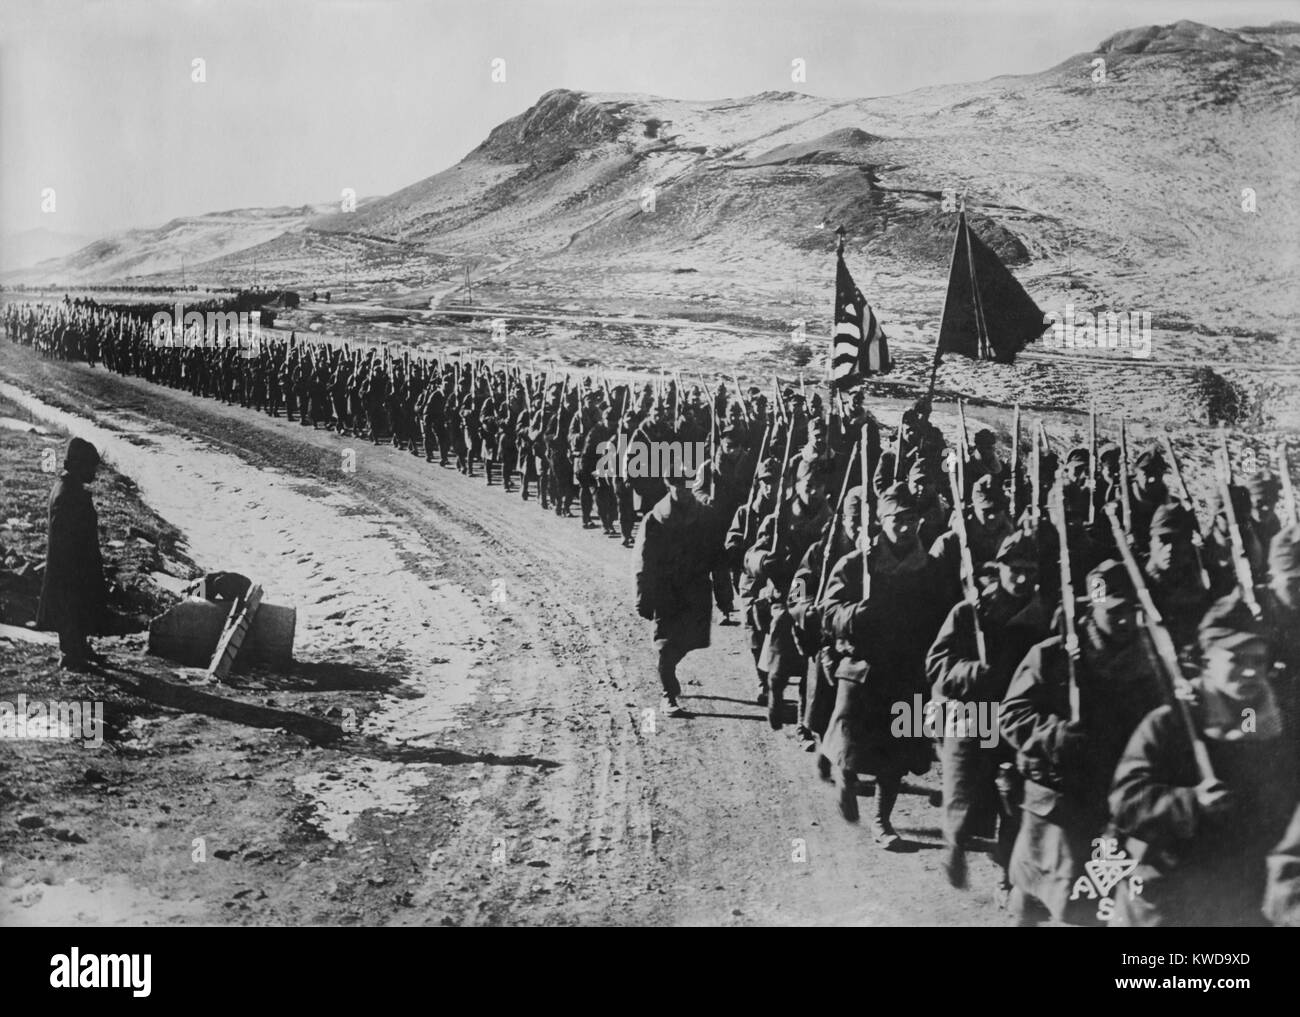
(554, 798)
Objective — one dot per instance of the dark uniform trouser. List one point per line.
(670, 655)
(605, 501)
(626, 511)
(970, 796)
(755, 625)
(72, 641)
(819, 698)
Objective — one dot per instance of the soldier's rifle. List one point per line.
(750, 511)
(1237, 546)
(1092, 462)
(868, 503)
(1035, 479)
(744, 403)
(780, 491)
(828, 546)
(1056, 515)
(898, 452)
(1125, 496)
(1015, 464)
(1288, 491)
(963, 544)
(1198, 540)
(1165, 650)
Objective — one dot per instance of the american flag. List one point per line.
(853, 357)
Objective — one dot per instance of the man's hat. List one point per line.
(851, 511)
(1264, 486)
(81, 455)
(1018, 549)
(1109, 583)
(1172, 519)
(1152, 460)
(894, 499)
(814, 469)
(1229, 625)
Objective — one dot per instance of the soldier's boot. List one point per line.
(824, 769)
(584, 501)
(776, 702)
(846, 792)
(882, 829)
(762, 698)
(954, 866)
(487, 470)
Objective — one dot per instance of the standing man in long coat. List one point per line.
(678, 548)
(74, 595)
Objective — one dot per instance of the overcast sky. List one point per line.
(306, 97)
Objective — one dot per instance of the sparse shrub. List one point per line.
(799, 354)
(1224, 400)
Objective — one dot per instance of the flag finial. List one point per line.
(840, 232)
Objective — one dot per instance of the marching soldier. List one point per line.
(1011, 618)
(883, 631)
(770, 565)
(677, 551)
(1203, 840)
(1067, 761)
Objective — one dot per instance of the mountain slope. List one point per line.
(1120, 194)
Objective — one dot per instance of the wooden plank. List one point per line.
(232, 638)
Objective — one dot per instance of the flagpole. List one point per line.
(938, 345)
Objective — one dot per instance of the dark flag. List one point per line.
(859, 347)
(987, 314)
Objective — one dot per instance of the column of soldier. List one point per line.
(1141, 668)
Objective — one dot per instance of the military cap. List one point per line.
(1172, 519)
(770, 470)
(1109, 582)
(1077, 455)
(1264, 486)
(984, 438)
(1109, 452)
(81, 455)
(894, 499)
(1019, 548)
(1152, 460)
(851, 511)
(816, 469)
(1229, 625)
